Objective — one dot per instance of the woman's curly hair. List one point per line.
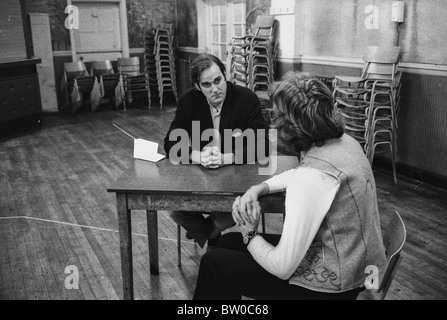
(303, 113)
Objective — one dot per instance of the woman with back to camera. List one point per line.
(331, 231)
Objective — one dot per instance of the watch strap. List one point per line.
(249, 235)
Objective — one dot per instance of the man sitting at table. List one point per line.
(214, 103)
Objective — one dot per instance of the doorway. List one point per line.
(225, 19)
(102, 33)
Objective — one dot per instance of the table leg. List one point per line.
(179, 245)
(152, 236)
(125, 232)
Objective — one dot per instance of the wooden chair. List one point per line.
(133, 80)
(379, 63)
(264, 33)
(77, 82)
(394, 239)
(110, 83)
(263, 50)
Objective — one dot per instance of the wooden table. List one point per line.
(164, 186)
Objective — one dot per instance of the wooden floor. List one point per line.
(55, 212)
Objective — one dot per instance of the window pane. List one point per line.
(223, 34)
(238, 12)
(215, 14)
(216, 50)
(223, 13)
(223, 52)
(215, 33)
(237, 30)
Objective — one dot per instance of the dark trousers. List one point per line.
(229, 272)
(200, 227)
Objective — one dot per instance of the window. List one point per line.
(225, 19)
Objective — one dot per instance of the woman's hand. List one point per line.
(247, 210)
(244, 207)
(246, 222)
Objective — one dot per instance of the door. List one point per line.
(100, 33)
(225, 19)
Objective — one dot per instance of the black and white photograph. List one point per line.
(223, 154)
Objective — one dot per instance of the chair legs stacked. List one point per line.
(77, 84)
(109, 82)
(369, 104)
(133, 81)
(369, 109)
(262, 61)
(254, 57)
(384, 107)
(159, 61)
(239, 69)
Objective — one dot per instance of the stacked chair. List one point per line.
(110, 83)
(77, 83)
(160, 61)
(133, 81)
(369, 104)
(254, 57)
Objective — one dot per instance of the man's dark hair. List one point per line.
(303, 113)
(203, 62)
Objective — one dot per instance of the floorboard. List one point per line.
(55, 212)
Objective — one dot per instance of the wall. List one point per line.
(423, 34)
(147, 14)
(12, 35)
(330, 38)
(187, 23)
(336, 28)
(141, 14)
(60, 37)
(254, 8)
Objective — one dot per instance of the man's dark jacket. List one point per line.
(241, 110)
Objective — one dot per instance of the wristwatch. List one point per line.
(249, 235)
